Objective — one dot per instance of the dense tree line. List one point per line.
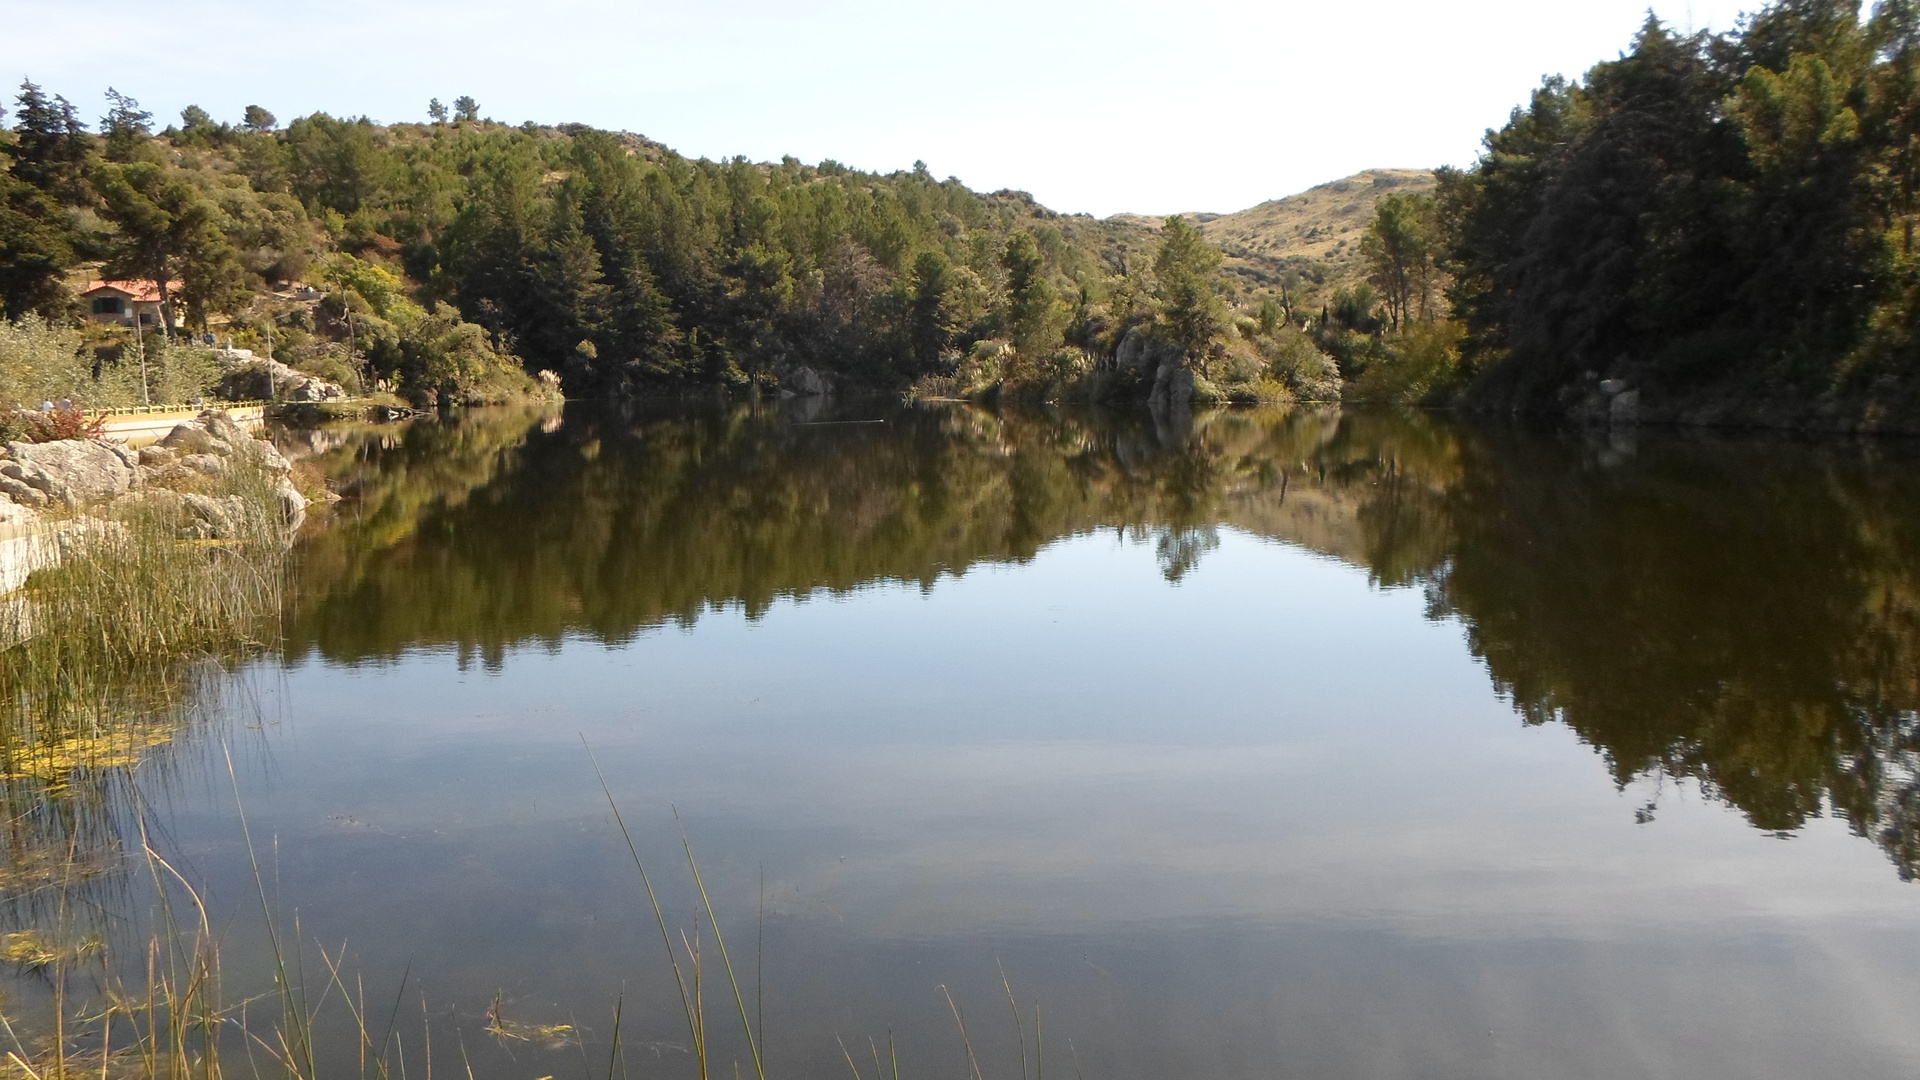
(1708, 215)
(608, 259)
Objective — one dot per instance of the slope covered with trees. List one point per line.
(1723, 224)
(455, 251)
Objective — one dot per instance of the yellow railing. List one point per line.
(135, 410)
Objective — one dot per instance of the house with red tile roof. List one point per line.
(126, 302)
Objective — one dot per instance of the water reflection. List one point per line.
(1741, 614)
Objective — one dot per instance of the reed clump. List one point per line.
(123, 600)
(112, 647)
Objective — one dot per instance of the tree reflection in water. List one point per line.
(1741, 613)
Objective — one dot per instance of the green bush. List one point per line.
(1421, 365)
(41, 362)
(449, 361)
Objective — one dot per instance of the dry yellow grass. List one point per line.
(1315, 233)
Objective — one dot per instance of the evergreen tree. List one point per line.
(1190, 301)
(932, 279)
(34, 251)
(168, 227)
(126, 127)
(50, 148)
(1033, 324)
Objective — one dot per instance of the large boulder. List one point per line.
(73, 471)
(208, 518)
(21, 494)
(273, 380)
(1159, 365)
(192, 437)
(807, 382)
(224, 427)
(1172, 388)
(1146, 352)
(16, 519)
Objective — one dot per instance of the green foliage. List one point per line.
(601, 256)
(1706, 215)
(175, 375)
(126, 128)
(1399, 252)
(1418, 366)
(1034, 317)
(50, 148)
(34, 251)
(1189, 298)
(1295, 362)
(169, 227)
(42, 362)
(455, 362)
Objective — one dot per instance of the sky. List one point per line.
(1094, 106)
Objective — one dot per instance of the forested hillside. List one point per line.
(1720, 225)
(458, 256)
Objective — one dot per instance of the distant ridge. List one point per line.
(1315, 233)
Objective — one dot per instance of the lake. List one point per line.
(1302, 744)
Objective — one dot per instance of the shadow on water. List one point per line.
(1741, 614)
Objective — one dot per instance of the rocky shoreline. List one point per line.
(204, 477)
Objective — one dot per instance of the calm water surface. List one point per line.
(1272, 745)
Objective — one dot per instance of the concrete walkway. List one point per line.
(140, 427)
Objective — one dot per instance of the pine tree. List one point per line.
(1190, 301)
(51, 146)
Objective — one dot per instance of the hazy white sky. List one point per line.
(1100, 107)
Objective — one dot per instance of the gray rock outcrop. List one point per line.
(208, 446)
(121, 485)
(1624, 408)
(273, 380)
(1160, 365)
(806, 382)
(71, 471)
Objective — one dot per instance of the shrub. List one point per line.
(41, 362)
(1420, 365)
(1294, 361)
(447, 360)
(57, 425)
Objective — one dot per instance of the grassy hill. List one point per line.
(1309, 242)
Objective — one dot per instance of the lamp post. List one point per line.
(140, 349)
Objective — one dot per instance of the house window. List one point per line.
(107, 305)
(146, 318)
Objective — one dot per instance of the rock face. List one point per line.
(1624, 408)
(123, 483)
(209, 446)
(193, 438)
(807, 382)
(271, 379)
(78, 472)
(1159, 365)
(1604, 403)
(72, 471)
